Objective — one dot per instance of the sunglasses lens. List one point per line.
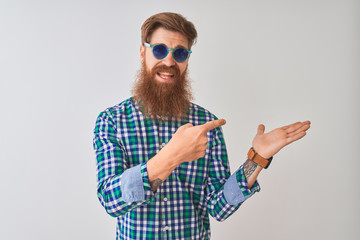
(160, 51)
(181, 54)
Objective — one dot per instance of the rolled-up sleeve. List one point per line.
(120, 188)
(236, 189)
(225, 192)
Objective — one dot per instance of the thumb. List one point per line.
(261, 129)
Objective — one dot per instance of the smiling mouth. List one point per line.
(165, 75)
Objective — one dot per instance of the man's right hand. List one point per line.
(189, 142)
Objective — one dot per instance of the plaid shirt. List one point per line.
(124, 140)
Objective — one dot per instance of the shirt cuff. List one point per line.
(135, 184)
(149, 194)
(243, 184)
(236, 189)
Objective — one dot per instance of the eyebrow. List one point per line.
(171, 48)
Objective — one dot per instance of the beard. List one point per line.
(162, 100)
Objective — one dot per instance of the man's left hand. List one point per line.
(268, 144)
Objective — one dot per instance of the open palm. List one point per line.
(268, 144)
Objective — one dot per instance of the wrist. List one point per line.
(171, 159)
(257, 158)
(261, 153)
(160, 166)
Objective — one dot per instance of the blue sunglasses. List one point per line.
(160, 51)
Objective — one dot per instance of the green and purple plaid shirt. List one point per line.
(125, 140)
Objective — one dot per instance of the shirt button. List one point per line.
(165, 199)
(166, 228)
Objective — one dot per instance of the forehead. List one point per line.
(170, 38)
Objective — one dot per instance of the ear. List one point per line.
(142, 52)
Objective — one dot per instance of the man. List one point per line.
(161, 160)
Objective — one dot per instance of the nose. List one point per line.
(169, 60)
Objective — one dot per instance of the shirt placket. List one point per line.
(164, 137)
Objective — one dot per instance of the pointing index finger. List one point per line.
(213, 124)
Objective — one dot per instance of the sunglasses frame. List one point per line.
(168, 50)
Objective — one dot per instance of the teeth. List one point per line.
(166, 75)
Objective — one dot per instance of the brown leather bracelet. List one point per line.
(254, 156)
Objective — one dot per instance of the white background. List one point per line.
(271, 62)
